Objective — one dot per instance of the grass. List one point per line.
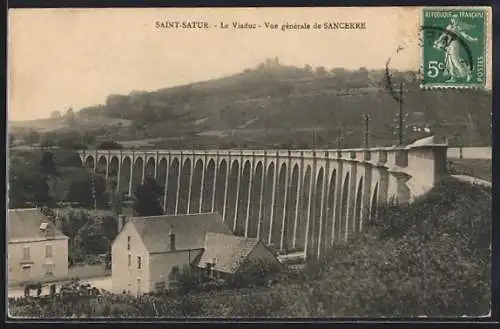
(479, 168)
(83, 121)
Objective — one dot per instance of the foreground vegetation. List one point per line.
(428, 258)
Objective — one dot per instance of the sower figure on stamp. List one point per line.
(456, 67)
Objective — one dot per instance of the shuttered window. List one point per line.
(48, 251)
(26, 253)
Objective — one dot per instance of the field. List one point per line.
(83, 121)
(479, 168)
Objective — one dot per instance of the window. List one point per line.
(48, 251)
(49, 269)
(128, 242)
(129, 260)
(139, 263)
(26, 253)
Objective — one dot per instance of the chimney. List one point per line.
(121, 222)
(171, 234)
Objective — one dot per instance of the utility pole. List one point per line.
(470, 125)
(339, 133)
(94, 198)
(400, 127)
(314, 139)
(365, 140)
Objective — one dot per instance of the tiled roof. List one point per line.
(25, 224)
(229, 251)
(189, 230)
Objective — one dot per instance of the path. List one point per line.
(100, 283)
(473, 180)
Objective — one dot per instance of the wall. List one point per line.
(124, 277)
(38, 259)
(470, 152)
(161, 265)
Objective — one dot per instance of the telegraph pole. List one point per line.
(470, 126)
(339, 133)
(94, 198)
(400, 127)
(314, 139)
(365, 140)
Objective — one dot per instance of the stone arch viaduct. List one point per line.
(294, 200)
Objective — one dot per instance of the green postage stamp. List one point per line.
(454, 48)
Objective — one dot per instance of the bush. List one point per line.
(430, 258)
(189, 280)
(109, 145)
(253, 273)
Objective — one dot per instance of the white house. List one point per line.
(149, 252)
(37, 250)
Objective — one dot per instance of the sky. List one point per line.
(59, 58)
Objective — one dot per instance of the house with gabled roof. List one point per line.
(224, 255)
(37, 250)
(149, 252)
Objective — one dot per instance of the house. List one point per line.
(150, 252)
(224, 255)
(37, 250)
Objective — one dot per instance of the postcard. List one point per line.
(257, 163)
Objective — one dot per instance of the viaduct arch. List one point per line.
(293, 200)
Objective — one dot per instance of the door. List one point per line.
(26, 273)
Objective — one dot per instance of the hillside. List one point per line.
(83, 121)
(263, 106)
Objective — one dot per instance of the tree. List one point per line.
(89, 138)
(12, 139)
(308, 68)
(321, 71)
(91, 239)
(27, 185)
(48, 165)
(188, 279)
(55, 115)
(254, 272)
(110, 145)
(70, 117)
(147, 199)
(80, 189)
(32, 137)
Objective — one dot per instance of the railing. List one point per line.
(377, 155)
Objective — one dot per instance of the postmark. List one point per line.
(454, 48)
